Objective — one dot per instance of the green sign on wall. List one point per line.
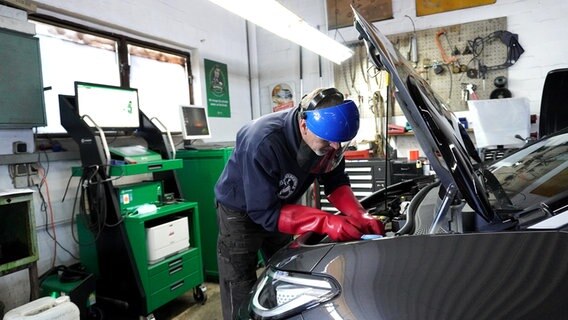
(217, 84)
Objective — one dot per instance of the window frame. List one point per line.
(122, 50)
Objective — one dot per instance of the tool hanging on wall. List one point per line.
(378, 109)
(501, 92)
(447, 59)
(511, 40)
(353, 75)
(453, 60)
(468, 92)
(413, 51)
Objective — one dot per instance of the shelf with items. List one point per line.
(18, 243)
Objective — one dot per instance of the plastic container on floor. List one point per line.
(46, 308)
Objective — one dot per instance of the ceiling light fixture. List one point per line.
(274, 17)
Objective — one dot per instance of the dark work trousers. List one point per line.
(237, 246)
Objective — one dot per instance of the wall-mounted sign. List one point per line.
(426, 7)
(282, 96)
(339, 13)
(217, 87)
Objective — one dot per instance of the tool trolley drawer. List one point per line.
(171, 291)
(172, 270)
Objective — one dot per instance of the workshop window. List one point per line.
(68, 56)
(70, 52)
(161, 80)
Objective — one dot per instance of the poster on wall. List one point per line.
(426, 7)
(217, 87)
(339, 13)
(282, 96)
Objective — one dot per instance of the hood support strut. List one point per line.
(451, 192)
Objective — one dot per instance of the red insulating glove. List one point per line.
(345, 201)
(298, 219)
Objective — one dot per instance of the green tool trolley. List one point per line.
(140, 240)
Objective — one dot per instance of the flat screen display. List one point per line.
(195, 123)
(109, 107)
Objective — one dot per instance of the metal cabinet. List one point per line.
(403, 170)
(366, 176)
(18, 244)
(201, 170)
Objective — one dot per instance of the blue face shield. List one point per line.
(335, 124)
(338, 124)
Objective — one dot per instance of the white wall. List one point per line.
(198, 26)
(539, 24)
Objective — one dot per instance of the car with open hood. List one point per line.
(478, 241)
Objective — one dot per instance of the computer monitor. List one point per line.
(195, 123)
(110, 107)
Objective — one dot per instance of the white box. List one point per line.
(167, 239)
(497, 121)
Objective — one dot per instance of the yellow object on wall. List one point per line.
(426, 7)
(339, 13)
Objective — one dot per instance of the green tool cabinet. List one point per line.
(201, 170)
(171, 277)
(161, 281)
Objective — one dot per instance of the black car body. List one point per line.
(480, 242)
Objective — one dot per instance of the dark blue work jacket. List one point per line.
(264, 173)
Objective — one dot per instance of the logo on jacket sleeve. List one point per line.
(287, 185)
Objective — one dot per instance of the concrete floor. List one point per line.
(185, 307)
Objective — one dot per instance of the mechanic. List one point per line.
(276, 159)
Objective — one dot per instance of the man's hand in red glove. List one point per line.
(346, 202)
(298, 219)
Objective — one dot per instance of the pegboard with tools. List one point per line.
(460, 62)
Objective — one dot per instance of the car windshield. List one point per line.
(536, 173)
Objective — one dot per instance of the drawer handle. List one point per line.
(177, 285)
(154, 167)
(175, 270)
(175, 262)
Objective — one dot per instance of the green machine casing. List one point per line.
(201, 170)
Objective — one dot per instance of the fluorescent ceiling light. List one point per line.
(274, 17)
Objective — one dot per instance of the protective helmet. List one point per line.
(330, 118)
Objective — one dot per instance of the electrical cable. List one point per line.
(42, 172)
(67, 187)
(47, 228)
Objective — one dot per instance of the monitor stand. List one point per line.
(188, 146)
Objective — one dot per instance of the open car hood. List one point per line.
(444, 141)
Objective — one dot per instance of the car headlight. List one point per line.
(281, 293)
